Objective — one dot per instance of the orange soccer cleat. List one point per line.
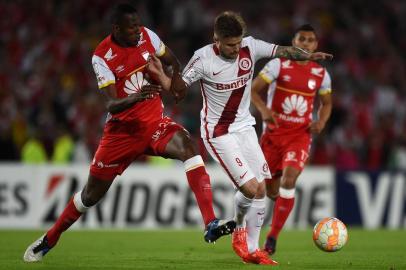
(240, 242)
(259, 257)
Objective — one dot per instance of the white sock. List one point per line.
(77, 201)
(193, 163)
(242, 204)
(255, 219)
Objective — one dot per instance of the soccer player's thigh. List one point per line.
(227, 151)
(296, 153)
(253, 154)
(271, 147)
(115, 153)
(162, 135)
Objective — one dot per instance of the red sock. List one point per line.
(199, 182)
(69, 215)
(281, 211)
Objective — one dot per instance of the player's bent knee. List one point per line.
(272, 195)
(261, 190)
(250, 188)
(288, 182)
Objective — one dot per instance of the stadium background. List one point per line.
(48, 87)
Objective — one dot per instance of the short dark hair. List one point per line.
(120, 10)
(229, 24)
(305, 27)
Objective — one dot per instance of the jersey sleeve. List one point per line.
(271, 70)
(104, 75)
(193, 70)
(262, 49)
(156, 42)
(325, 87)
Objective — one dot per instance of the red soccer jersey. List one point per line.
(291, 93)
(125, 67)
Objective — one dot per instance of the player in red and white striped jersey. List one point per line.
(288, 124)
(224, 70)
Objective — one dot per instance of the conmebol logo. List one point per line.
(294, 102)
(135, 83)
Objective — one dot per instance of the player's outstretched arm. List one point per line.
(296, 53)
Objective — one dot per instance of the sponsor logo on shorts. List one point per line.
(101, 165)
(291, 156)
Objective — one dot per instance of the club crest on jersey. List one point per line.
(295, 103)
(311, 84)
(135, 83)
(245, 63)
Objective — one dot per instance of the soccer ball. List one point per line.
(330, 234)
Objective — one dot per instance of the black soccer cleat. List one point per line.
(270, 245)
(218, 228)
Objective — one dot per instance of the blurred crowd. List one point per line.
(52, 111)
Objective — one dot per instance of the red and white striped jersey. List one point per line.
(125, 67)
(291, 92)
(226, 85)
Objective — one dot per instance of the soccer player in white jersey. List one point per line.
(224, 70)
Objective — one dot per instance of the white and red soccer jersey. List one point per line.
(226, 85)
(124, 67)
(291, 92)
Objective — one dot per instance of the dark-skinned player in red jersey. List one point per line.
(135, 125)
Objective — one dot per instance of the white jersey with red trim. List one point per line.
(226, 85)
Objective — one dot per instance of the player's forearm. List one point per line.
(324, 113)
(258, 102)
(119, 105)
(165, 81)
(116, 105)
(291, 52)
(178, 87)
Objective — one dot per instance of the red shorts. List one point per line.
(285, 150)
(122, 143)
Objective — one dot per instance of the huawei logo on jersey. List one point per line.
(295, 103)
(135, 83)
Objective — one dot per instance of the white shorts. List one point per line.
(240, 155)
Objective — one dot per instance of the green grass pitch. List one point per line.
(185, 249)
